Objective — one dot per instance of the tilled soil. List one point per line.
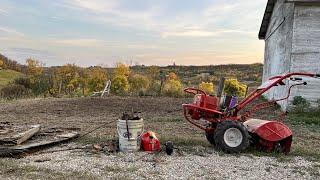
(195, 159)
(86, 113)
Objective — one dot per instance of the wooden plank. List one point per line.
(18, 134)
(22, 137)
(220, 87)
(63, 137)
(4, 131)
(12, 151)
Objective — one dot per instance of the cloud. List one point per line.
(79, 42)
(199, 33)
(190, 34)
(21, 54)
(3, 12)
(214, 19)
(11, 31)
(96, 5)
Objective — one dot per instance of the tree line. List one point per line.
(73, 81)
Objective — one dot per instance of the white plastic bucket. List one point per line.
(135, 129)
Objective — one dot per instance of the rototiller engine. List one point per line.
(233, 132)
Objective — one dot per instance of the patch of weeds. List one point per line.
(132, 169)
(297, 170)
(198, 151)
(309, 153)
(166, 119)
(184, 141)
(11, 169)
(305, 118)
(279, 156)
(121, 176)
(114, 169)
(300, 104)
(267, 169)
(317, 166)
(273, 165)
(283, 158)
(92, 139)
(314, 171)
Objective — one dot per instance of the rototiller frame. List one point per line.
(231, 131)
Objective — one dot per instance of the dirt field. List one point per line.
(195, 159)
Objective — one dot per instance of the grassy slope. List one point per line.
(7, 76)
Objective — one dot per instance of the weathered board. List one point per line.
(11, 151)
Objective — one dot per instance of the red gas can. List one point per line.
(149, 142)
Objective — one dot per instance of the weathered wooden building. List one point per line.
(291, 31)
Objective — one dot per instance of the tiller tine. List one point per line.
(270, 135)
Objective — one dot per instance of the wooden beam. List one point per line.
(220, 87)
(22, 137)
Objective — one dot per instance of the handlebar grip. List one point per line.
(296, 79)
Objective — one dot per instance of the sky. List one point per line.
(149, 32)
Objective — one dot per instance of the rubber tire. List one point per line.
(210, 138)
(219, 136)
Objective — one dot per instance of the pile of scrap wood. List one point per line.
(18, 139)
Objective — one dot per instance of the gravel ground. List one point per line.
(140, 165)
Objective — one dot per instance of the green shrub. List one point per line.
(139, 84)
(120, 85)
(15, 91)
(154, 88)
(41, 85)
(300, 104)
(24, 81)
(173, 88)
(318, 105)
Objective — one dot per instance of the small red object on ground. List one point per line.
(149, 142)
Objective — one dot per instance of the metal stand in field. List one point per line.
(106, 90)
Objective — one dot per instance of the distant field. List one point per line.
(7, 76)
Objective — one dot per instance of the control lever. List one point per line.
(296, 79)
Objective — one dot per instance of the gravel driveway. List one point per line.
(140, 165)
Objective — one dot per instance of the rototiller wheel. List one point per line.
(233, 133)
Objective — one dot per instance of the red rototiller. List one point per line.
(233, 130)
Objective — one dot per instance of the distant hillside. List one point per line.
(12, 64)
(7, 76)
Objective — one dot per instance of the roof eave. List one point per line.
(266, 19)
